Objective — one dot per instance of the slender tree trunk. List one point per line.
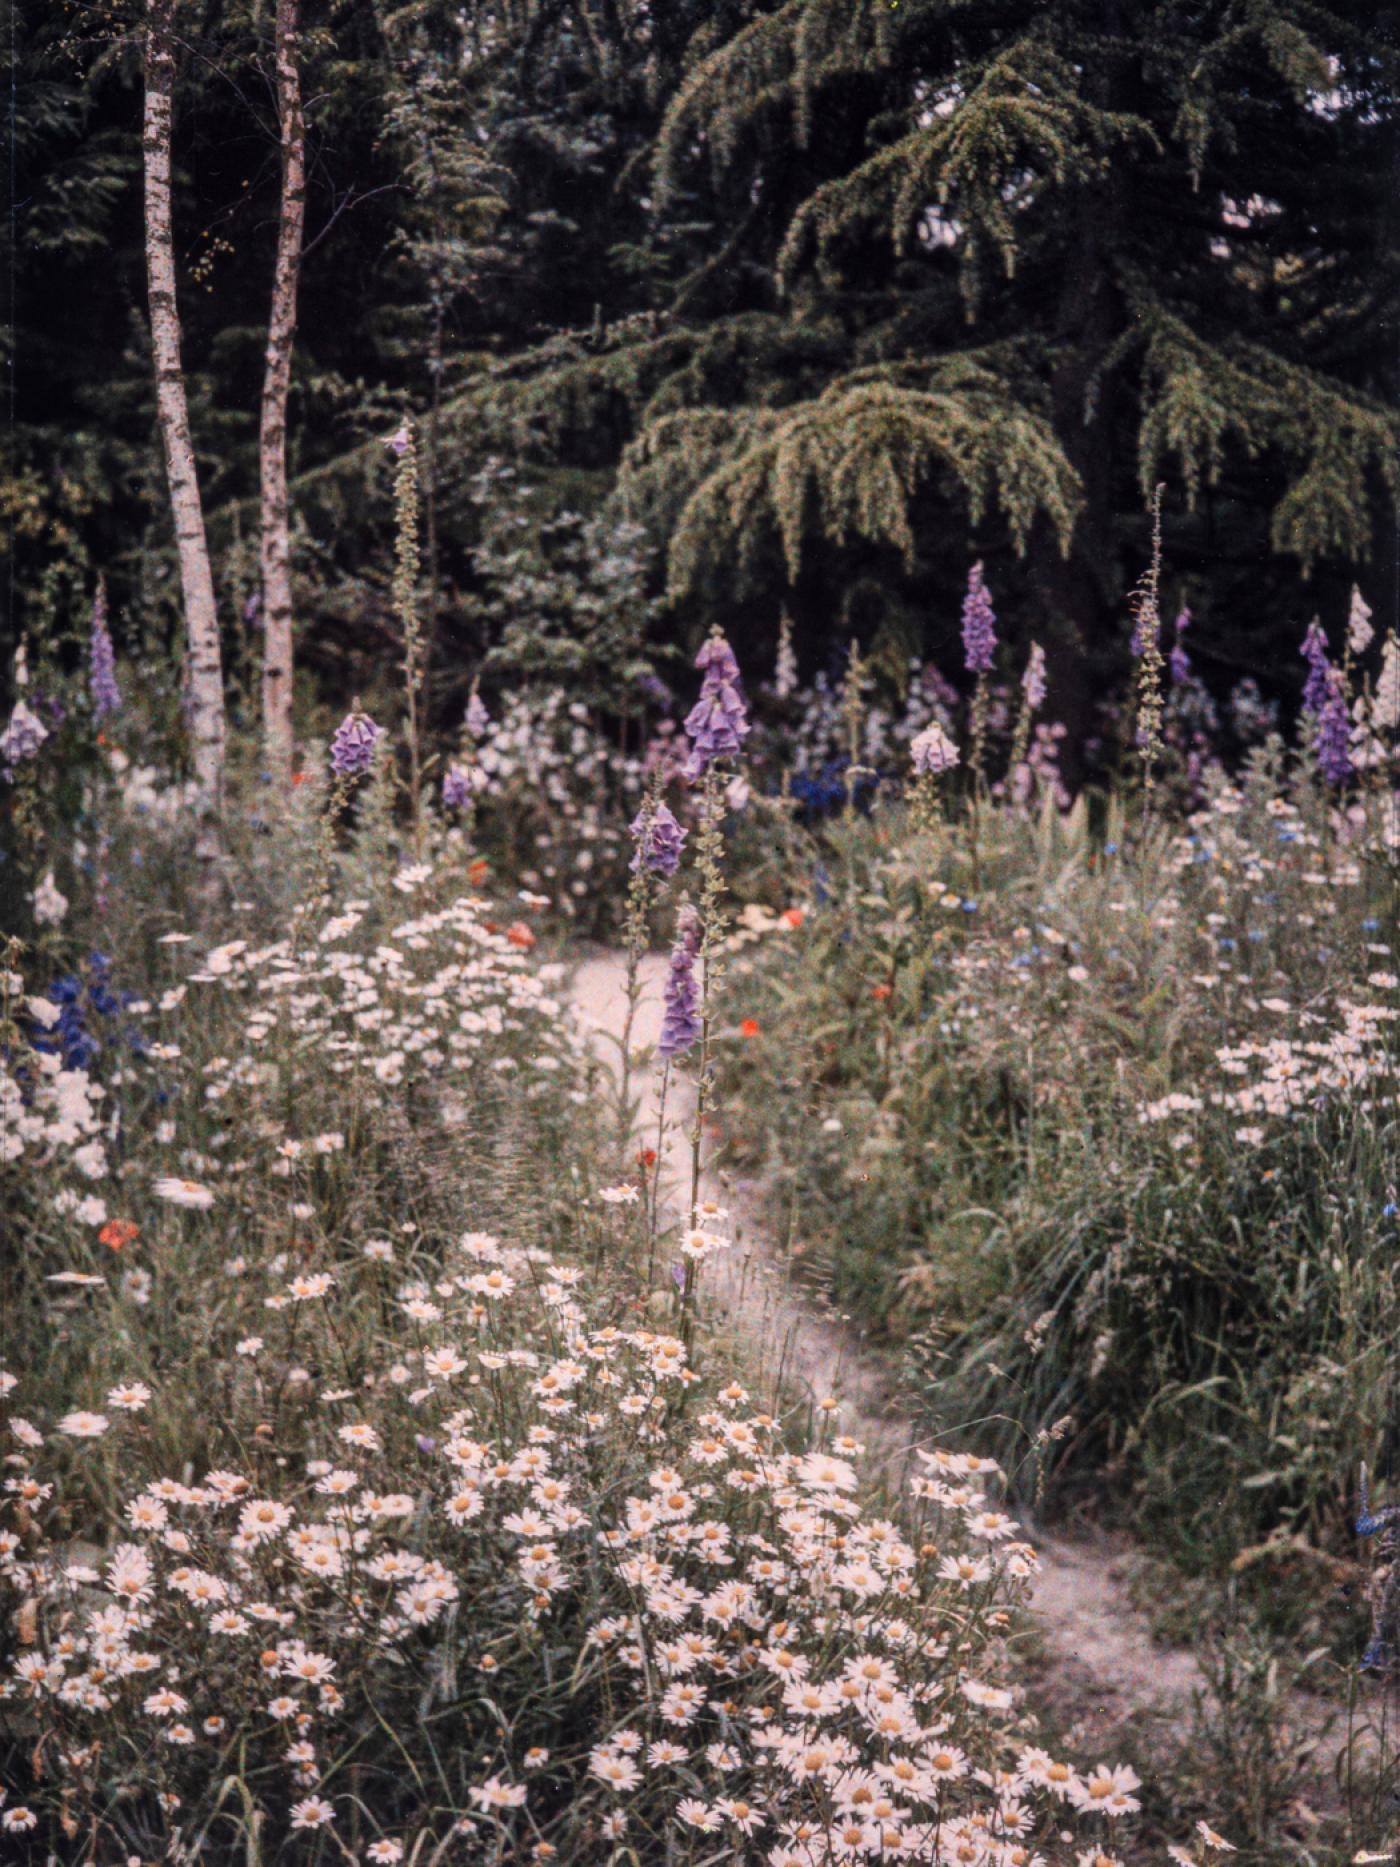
(275, 544)
(206, 680)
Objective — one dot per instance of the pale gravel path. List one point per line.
(1101, 1658)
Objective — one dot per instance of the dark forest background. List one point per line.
(711, 309)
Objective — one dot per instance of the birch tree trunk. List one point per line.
(275, 544)
(206, 681)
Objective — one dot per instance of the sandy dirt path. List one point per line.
(1102, 1664)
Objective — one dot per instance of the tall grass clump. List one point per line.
(1108, 1136)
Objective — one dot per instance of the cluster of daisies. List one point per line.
(435, 995)
(446, 998)
(638, 1615)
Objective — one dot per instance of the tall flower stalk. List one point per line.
(102, 661)
(1032, 699)
(713, 923)
(853, 718)
(1147, 639)
(405, 600)
(658, 840)
(979, 634)
(717, 725)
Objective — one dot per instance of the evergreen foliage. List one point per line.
(822, 294)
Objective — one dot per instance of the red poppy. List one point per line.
(116, 1234)
(881, 991)
(478, 870)
(647, 1156)
(300, 777)
(793, 916)
(520, 935)
(749, 1028)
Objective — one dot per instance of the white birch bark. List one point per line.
(275, 544)
(206, 684)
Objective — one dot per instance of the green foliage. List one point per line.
(1197, 397)
(1092, 1148)
(850, 465)
(814, 292)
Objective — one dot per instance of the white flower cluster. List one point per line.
(749, 1651)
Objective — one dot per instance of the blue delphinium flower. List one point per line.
(106, 695)
(1333, 741)
(1314, 652)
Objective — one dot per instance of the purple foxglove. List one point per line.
(1033, 680)
(979, 625)
(352, 748)
(718, 723)
(680, 999)
(459, 782)
(23, 736)
(933, 752)
(659, 843)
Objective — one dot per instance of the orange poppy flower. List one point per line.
(300, 777)
(520, 935)
(793, 916)
(881, 991)
(749, 1028)
(647, 1156)
(116, 1234)
(478, 870)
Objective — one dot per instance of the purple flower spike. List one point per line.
(1033, 680)
(106, 695)
(1180, 662)
(1314, 652)
(659, 844)
(1333, 741)
(680, 1023)
(717, 663)
(352, 749)
(718, 723)
(458, 784)
(979, 625)
(478, 719)
(23, 736)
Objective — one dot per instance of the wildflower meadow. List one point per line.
(700, 967)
